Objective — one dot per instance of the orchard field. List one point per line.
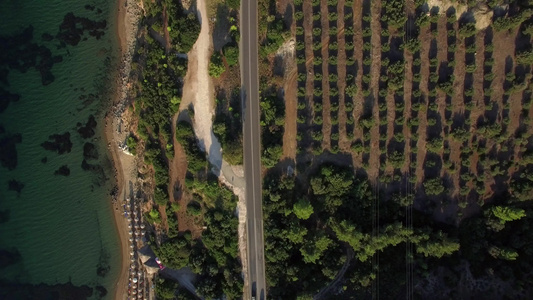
(407, 130)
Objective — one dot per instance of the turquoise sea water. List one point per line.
(58, 229)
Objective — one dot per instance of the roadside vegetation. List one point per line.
(414, 145)
(193, 218)
(225, 69)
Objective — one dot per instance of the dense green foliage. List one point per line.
(304, 250)
(196, 159)
(214, 256)
(227, 127)
(277, 33)
(272, 122)
(216, 65)
(184, 28)
(394, 13)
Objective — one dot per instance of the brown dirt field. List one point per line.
(291, 113)
(422, 113)
(358, 55)
(308, 37)
(326, 125)
(177, 172)
(165, 30)
(375, 70)
(407, 88)
(344, 143)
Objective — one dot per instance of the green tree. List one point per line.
(232, 55)
(437, 246)
(216, 65)
(507, 213)
(165, 289)
(314, 249)
(303, 209)
(233, 4)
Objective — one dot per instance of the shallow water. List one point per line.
(62, 226)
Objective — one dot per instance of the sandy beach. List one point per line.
(127, 17)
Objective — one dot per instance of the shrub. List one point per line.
(232, 55)
(467, 30)
(216, 65)
(194, 208)
(433, 186)
(351, 90)
(435, 145)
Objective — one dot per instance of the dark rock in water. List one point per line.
(15, 185)
(3, 75)
(59, 291)
(87, 100)
(103, 267)
(89, 167)
(102, 270)
(90, 151)
(63, 170)
(47, 37)
(89, 7)
(60, 143)
(57, 59)
(6, 98)
(114, 191)
(8, 150)
(20, 53)
(73, 28)
(101, 291)
(47, 77)
(44, 160)
(87, 131)
(9, 257)
(4, 216)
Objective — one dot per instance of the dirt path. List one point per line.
(326, 125)
(422, 113)
(343, 142)
(198, 90)
(375, 70)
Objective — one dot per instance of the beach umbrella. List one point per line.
(130, 232)
(131, 239)
(142, 226)
(135, 280)
(131, 246)
(143, 232)
(129, 225)
(134, 292)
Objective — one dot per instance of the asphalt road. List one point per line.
(252, 150)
